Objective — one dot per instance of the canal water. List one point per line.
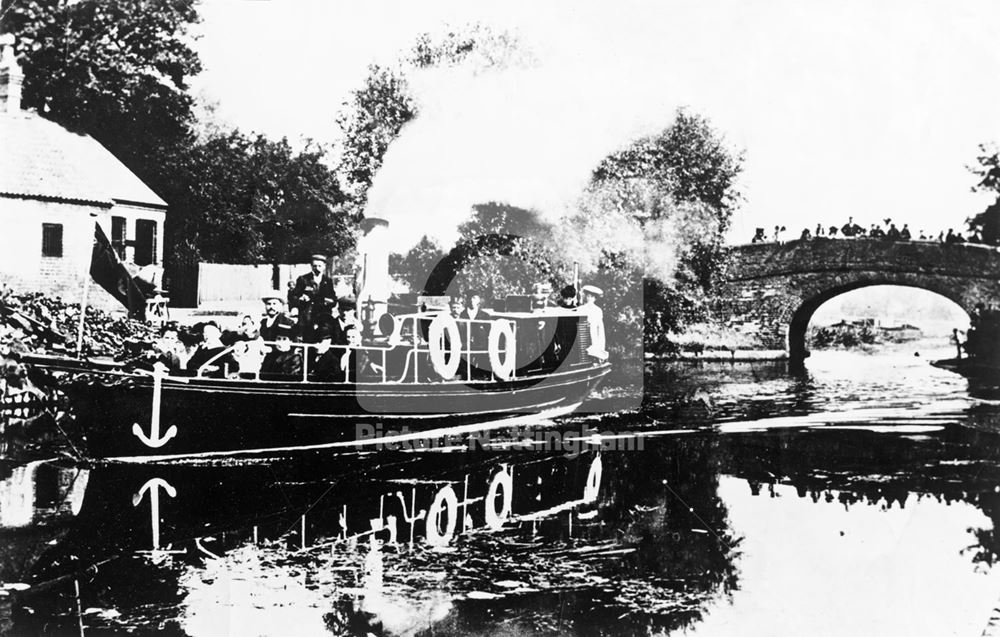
(858, 496)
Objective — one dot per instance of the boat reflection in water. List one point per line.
(706, 531)
(391, 543)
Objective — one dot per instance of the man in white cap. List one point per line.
(274, 312)
(595, 320)
(312, 296)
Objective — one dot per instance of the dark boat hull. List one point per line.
(970, 368)
(208, 417)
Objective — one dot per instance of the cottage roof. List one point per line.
(40, 159)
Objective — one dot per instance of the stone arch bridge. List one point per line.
(775, 288)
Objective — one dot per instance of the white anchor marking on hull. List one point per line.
(154, 440)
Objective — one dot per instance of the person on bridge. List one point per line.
(904, 234)
(848, 229)
(876, 232)
(893, 233)
(806, 235)
(819, 230)
(758, 236)
(832, 232)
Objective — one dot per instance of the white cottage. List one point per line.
(54, 184)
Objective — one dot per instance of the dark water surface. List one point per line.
(858, 497)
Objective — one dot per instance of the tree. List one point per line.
(684, 181)
(376, 113)
(415, 266)
(987, 222)
(247, 199)
(117, 71)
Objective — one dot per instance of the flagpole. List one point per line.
(83, 316)
(83, 302)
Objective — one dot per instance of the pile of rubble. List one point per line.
(40, 324)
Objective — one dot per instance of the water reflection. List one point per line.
(816, 510)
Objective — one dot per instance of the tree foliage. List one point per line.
(119, 71)
(689, 162)
(375, 113)
(247, 199)
(414, 268)
(987, 171)
(688, 158)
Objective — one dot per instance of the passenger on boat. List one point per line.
(474, 307)
(478, 333)
(274, 312)
(566, 332)
(167, 349)
(348, 315)
(567, 297)
(349, 363)
(247, 331)
(456, 307)
(284, 360)
(595, 320)
(540, 293)
(312, 296)
(204, 359)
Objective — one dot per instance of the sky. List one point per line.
(840, 108)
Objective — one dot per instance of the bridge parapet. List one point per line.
(763, 260)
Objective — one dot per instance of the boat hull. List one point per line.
(207, 417)
(971, 369)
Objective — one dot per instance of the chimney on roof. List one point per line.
(11, 76)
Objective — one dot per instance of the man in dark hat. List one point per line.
(348, 316)
(312, 295)
(567, 297)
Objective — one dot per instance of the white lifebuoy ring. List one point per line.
(503, 366)
(593, 486)
(445, 363)
(445, 503)
(502, 480)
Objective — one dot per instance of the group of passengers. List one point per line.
(318, 328)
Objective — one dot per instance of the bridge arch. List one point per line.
(798, 324)
(771, 290)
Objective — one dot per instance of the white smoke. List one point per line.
(527, 136)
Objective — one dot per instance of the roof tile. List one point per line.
(39, 158)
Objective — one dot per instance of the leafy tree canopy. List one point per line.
(119, 71)
(247, 199)
(375, 113)
(987, 171)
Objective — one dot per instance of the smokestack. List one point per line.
(11, 76)
(373, 259)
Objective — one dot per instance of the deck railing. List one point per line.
(409, 328)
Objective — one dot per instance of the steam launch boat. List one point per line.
(424, 374)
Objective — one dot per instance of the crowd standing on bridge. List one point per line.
(853, 230)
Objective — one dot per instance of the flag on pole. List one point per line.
(112, 275)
